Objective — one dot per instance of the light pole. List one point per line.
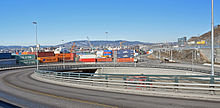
(63, 56)
(37, 46)
(212, 37)
(106, 37)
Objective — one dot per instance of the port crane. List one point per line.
(73, 47)
(91, 46)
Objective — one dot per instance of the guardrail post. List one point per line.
(91, 79)
(148, 80)
(106, 78)
(62, 76)
(176, 81)
(125, 86)
(79, 77)
(212, 81)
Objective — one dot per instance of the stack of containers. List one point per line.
(125, 56)
(6, 59)
(87, 58)
(107, 53)
(47, 57)
(45, 54)
(5, 55)
(7, 62)
(104, 59)
(25, 59)
(65, 56)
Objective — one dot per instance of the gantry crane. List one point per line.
(73, 47)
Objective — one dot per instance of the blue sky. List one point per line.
(134, 20)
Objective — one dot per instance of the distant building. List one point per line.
(182, 41)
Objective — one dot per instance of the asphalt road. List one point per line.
(18, 88)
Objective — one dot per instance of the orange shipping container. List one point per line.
(24, 53)
(65, 56)
(104, 59)
(125, 60)
(48, 59)
(31, 53)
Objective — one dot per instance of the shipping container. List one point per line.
(48, 59)
(5, 55)
(87, 60)
(45, 54)
(107, 51)
(31, 53)
(65, 56)
(125, 55)
(24, 57)
(27, 62)
(24, 53)
(87, 56)
(4, 62)
(125, 59)
(125, 51)
(107, 54)
(104, 59)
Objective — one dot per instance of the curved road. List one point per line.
(18, 88)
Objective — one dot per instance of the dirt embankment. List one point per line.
(180, 56)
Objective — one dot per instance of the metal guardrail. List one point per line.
(79, 65)
(142, 82)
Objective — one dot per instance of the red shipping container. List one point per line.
(88, 60)
(45, 54)
(125, 60)
(104, 59)
(107, 53)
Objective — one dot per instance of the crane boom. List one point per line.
(89, 43)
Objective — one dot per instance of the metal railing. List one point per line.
(137, 81)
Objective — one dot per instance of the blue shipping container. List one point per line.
(125, 55)
(125, 52)
(107, 50)
(5, 55)
(7, 62)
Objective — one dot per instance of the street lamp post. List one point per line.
(63, 56)
(106, 37)
(212, 37)
(37, 46)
